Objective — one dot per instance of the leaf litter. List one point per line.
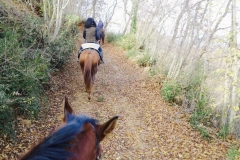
(148, 128)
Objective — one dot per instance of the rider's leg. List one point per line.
(79, 52)
(101, 54)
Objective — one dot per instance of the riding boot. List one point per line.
(101, 55)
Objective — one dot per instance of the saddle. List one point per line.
(85, 46)
(94, 46)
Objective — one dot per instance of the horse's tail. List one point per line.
(88, 73)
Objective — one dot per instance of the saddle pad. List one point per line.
(90, 45)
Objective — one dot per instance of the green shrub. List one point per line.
(113, 38)
(195, 91)
(201, 117)
(22, 72)
(26, 57)
(131, 53)
(153, 72)
(193, 84)
(233, 153)
(223, 132)
(170, 90)
(127, 42)
(204, 132)
(63, 45)
(30, 32)
(201, 114)
(7, 121)
(100, 98)
(145, 60)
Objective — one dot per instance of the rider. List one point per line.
(91, 34)
(100, 24)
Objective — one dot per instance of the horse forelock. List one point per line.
(55, 145)
(80, 120)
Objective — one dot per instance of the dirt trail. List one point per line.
(147, 127)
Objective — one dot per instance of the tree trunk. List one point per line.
(53, 16)
(110, 13)
(134, 15)
(94, 8)
(224, 116)
(234, 78)
(177, 66)
(176, 25)
(45, 11)
(125, 17)
(59, 18)
(216, 25)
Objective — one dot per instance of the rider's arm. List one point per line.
(84, 34)
(97, 34)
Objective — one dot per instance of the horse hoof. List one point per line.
(89, 97)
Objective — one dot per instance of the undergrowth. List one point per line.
(145, 60)
(126, 42)
(170, 90)
(190, 90)
(188, 87)
(233, 153)
(131, 53)
(112, 37)
(25, 60)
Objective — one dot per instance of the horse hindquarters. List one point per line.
(87, 74)
(89, 61)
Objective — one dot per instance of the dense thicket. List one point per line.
(27, 57)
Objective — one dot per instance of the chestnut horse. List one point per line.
(89, 61)
(78, 139)
(102, 35)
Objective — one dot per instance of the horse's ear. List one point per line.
(107, 128)
(67, 109)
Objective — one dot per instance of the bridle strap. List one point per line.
(97, 144)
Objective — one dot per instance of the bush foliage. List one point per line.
(127, 42)
(26, 58)
(170, 91)
(113, 38)
(233, 153)
(187, 89)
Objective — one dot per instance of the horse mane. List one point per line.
(87, 73)
(55, 145)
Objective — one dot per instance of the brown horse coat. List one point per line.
(89, 61)
(78, 138)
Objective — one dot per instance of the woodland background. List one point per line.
(192, 45)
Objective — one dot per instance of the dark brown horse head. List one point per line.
(77, 139)
(89, 61)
